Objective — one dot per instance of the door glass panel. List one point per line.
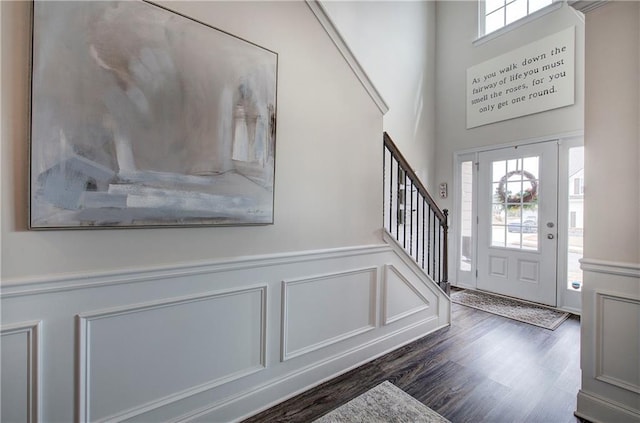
(499, 169)
(575, 217)
(466, 215)
(513, 165)
(498, 236)
(496, 190)
(531, 165)
(499, 216)
(515, 203)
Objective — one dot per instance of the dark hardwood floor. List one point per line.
(484, 368)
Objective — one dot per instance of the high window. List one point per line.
(496, 14)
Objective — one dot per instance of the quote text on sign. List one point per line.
(534, 78)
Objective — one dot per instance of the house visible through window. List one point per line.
(500, 13)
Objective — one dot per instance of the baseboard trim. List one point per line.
(273, 384)
(597, 409)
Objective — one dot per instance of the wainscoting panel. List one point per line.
(615, 347)
(210, 342)
(160, 350)
(20, 369)
(400, 298)
(610, 344)
(322, 310)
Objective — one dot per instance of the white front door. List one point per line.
(517, 221)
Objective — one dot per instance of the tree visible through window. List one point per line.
(500, 13)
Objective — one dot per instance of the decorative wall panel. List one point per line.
(618, 355)
(322, 310)
(140, 357)
(401, 298)
(20, 372)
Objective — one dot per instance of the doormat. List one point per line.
(384, 403)
(522, 311)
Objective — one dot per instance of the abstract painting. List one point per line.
(141, 117)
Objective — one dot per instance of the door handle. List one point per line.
(550, 236)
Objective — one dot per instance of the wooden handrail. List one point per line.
(393, 148)
(418, 237)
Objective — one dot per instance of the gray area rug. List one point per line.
(383, 403)
(522, 311)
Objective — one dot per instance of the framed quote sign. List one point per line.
(534, 78)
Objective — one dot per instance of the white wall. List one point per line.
(610, 340)
(395, 44)
(211, 324)
(325, 119)
(456, 31)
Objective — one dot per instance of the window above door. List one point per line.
(499, 16)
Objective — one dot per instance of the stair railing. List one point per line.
(412, 217)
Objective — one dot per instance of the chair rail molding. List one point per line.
(631, 270)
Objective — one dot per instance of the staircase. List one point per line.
(412, 218)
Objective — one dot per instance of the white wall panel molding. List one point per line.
(610, 267)
(59, 283)
(610, 343)
(415, 269)
(331, 30)
(400, 299)
(21, 369)
(148, 351)
(319, 311)
(206, 340)
(617, 353)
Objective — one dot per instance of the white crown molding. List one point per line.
(586, 6)
(328, 25)
(15, 287)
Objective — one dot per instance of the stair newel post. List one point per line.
(445, 262)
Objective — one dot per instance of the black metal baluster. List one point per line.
(445, 254)
(390, 192)
(439, 253)
(411, 221)
(384, 180)
(433, 233)
(418, 197)
(398, 201)
(404, 210)
(429, 241)
(423, 229)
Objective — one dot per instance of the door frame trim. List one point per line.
(454, 242)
